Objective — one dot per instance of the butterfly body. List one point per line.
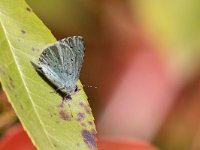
(61, 63)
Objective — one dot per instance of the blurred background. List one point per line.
(143, 56)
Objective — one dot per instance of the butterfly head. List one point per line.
(68, 89)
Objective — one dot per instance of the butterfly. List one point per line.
(61, 63)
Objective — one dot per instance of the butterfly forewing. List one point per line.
(77, 46)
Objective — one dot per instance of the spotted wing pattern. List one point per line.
(61, 63)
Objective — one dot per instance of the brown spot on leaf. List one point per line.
(88, 110)
(64, 115)
(11, 82)
(2, 72)
(83, 125)
(89, 139)
(77, 144)
(86, 107)
(23, 32)
(21, 107)
(90, 123)
(80, 116)
(81, 104)
(33, 49)
(61, 105)
(7, 85)
(28, 9)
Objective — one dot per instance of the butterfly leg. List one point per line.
(58, 89)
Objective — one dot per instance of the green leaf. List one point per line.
(50, 125)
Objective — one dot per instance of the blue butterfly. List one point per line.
(61, 64)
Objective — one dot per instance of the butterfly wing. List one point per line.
(77, 47)
(61, 63)
(50, 63)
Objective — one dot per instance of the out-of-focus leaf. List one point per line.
(50, 125)
(175, 26)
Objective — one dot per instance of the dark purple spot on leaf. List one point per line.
(80, 116)
(64, 115)
(88, 110)
(86, 107)
(93, 131)
(89, 139)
